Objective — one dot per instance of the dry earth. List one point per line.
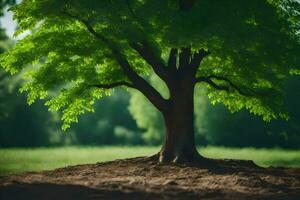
(139, 178)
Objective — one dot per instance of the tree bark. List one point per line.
(179, 146)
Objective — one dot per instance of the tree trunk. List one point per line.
(179, 146)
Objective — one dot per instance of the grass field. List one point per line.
(20, 160)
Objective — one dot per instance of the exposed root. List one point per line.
(196, 160)
(154, 158)
(182, 158)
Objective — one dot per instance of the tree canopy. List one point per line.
(246, 50)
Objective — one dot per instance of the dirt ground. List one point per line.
(138, 179)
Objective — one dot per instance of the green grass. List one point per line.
(20, 160)
(262, 157)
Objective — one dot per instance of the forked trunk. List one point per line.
(179, 146)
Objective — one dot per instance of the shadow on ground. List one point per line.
(135, 179)
(44, 191)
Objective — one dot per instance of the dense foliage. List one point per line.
(253, 45)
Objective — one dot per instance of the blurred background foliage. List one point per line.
(127, 118)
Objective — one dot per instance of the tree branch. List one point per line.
(211, 83)
(184, 58)
(149, 56)
(209, 80)
(138, 82)
(146, 52)
(231, 84)
(197, 58)
(172, 62)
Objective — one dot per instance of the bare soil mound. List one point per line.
(140, 178)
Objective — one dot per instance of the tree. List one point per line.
(243, 50)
